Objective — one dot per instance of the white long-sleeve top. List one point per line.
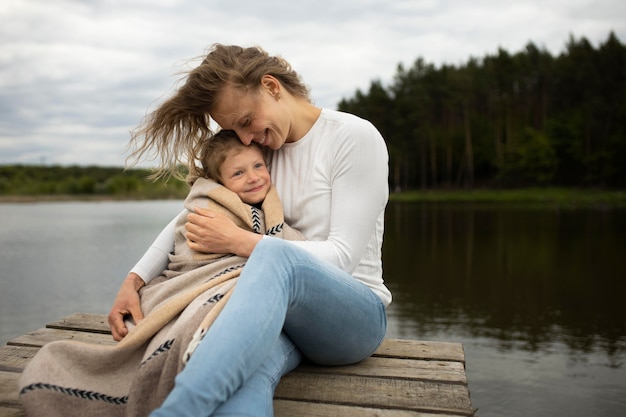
(333, 187)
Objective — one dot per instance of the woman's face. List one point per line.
(255, 116)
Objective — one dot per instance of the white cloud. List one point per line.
(76, 76)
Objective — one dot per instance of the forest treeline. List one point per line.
(503, 121)
(506, 120)
(38, 180)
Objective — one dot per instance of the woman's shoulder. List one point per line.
(346, 123)
(348, 126)
(343, 117)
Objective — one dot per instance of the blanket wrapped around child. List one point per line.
(132, 378)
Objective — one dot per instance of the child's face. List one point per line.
(244, 172)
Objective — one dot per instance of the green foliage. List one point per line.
(93, 181)
(527, 118)
(532, 161)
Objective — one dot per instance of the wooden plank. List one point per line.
(8, 390)
(443, 371)
(383, 393)
(415, 349)
(404, 378)
(40, 337)
(15, 358)
(9, 397)
(290, 408)
(398, 348)
(412, 349)
(86, 322)
(12, 412)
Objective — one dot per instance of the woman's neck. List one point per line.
(303, 118)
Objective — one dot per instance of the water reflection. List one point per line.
(525, 278)
(533, 295)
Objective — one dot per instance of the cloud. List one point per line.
(76, 76)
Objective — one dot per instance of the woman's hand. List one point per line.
(126, 304)
(212, 232)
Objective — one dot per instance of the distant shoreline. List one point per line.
(561, 197)
(51, 198)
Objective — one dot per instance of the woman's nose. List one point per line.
(245, 137)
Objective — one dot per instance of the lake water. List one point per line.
(535, 295)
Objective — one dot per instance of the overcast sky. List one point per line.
(77, 75)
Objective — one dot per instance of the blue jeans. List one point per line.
(284, 296)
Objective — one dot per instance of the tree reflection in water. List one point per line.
(511, 279)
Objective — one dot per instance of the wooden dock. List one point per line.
(403, 378)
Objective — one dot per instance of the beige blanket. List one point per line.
(69, 378)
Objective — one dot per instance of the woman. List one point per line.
(326, 295)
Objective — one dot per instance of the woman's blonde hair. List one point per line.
(173, 131)
(213, 152)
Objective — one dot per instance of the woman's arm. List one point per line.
(336, 191)
(155, 259)
(359, 196)
(151, 264)
(126, 304)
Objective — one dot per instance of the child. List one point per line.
(238, 168)
(234, 181)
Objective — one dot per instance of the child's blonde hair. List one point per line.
(213, 152)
